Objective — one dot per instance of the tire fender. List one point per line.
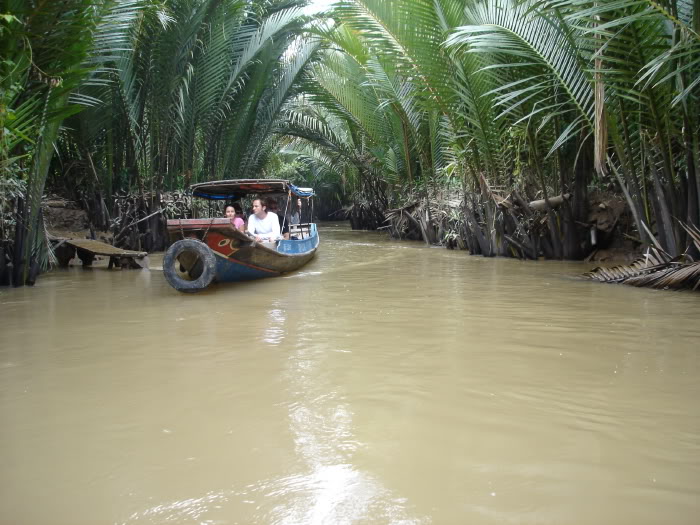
(172, 267)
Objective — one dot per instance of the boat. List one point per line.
(205, 251)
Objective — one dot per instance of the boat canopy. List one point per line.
(236, 188)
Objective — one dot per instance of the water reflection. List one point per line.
(274, 332)
(190, 510)
(338, 494)
(332, 490)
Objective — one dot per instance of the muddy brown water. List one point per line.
(385, 383)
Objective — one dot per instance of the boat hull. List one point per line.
(236, 256)
(258, 260)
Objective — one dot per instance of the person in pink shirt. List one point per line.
(238, 223)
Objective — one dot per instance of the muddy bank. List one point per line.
(520, 229)
(511, 226)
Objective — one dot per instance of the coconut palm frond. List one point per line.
(675, 276)
(296, 58)
(516, 38)
(653, 261)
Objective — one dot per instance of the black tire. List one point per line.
(200, 260)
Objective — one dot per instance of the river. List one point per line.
(385, 383)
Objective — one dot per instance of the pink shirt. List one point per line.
(238, 222)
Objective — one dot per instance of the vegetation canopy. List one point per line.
(503, 127)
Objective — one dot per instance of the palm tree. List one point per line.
(640, 80)
(518, 95)
(49, 49)
(194, 97)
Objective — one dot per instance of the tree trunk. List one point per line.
(20, 239)
(664, 222)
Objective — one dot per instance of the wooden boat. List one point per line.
(204, 251)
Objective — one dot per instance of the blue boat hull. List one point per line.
(260, 260)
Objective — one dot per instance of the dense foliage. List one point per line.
(446, 117)
(510, 99)
(140, 96)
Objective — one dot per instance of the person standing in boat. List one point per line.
(296, 214)
(284, 224)
(262, 224)
(273, 208)
(293, 217)
(231, 213)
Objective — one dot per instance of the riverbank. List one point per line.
(608, 220)
(610, 236)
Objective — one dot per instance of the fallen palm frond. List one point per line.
(677, 276)
(656, 269)
(432, 219)
(402, 221)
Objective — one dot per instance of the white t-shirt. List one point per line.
(267, 228)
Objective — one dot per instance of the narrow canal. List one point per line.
(385, 383)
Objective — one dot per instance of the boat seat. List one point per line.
(300, 231)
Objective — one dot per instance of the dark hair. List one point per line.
(237, 207)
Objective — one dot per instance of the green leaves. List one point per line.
(536, 63)
(193, 90)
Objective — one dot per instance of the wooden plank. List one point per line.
(189, 224)
(101, 248)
